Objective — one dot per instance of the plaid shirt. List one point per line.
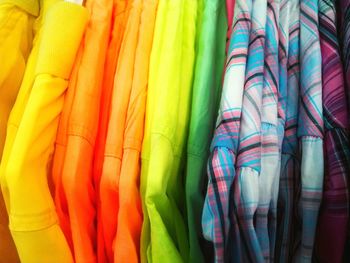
(289, 176)
(334, 212)
(221, 171)
(266, 218)
(344, 14)
(310, 129)
(344, 6)
(245, 200)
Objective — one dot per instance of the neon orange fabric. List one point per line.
(75, 195)
(109, 189)
(119, 18)
(130, 212)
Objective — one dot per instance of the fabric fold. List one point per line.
(31, 131)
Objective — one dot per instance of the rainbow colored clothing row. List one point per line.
(125, 137)
(85, 89)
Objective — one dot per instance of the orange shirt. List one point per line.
(109, 195)
(130, 213)
(75, 195)
(119, 18)
(124, 137)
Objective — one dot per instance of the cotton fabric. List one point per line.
(224, 146)
(290, 159)
(164, 235)
(16, 33)
(230, 9)
(344, 9)
(310, 126)
(130, 214)
(246, 184)
(205, 99)
(344, 28)
(31, 133)
(111, 152)
(266, 221)
(119, 18)
(334, 211)
(75, 195)
(110, 176)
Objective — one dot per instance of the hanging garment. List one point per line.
(153, 71)
(109, 185)
(16, 20)
(344, 29)
(206, 93)
(119, 18)
(75, 195)
(344, 11)
(266, 214)
(167, 120)
(334, 211)
(221, 163)
(125, 132)
(245, 201)
(290, 168)
(310, 126)
(283, 51)
(130, 214)
(16, 34)
(31, 133)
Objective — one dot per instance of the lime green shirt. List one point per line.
(164, 234)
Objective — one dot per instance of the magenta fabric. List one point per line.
(334, 211)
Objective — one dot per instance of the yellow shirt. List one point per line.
(31, 134)
(16, 36)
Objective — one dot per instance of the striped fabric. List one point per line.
(221, 171)
(334, 211)
(289, 178)
(344, 28)
(345, 36)
(266, 217)
(285, 18)
(310, 129)
(246, 247)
